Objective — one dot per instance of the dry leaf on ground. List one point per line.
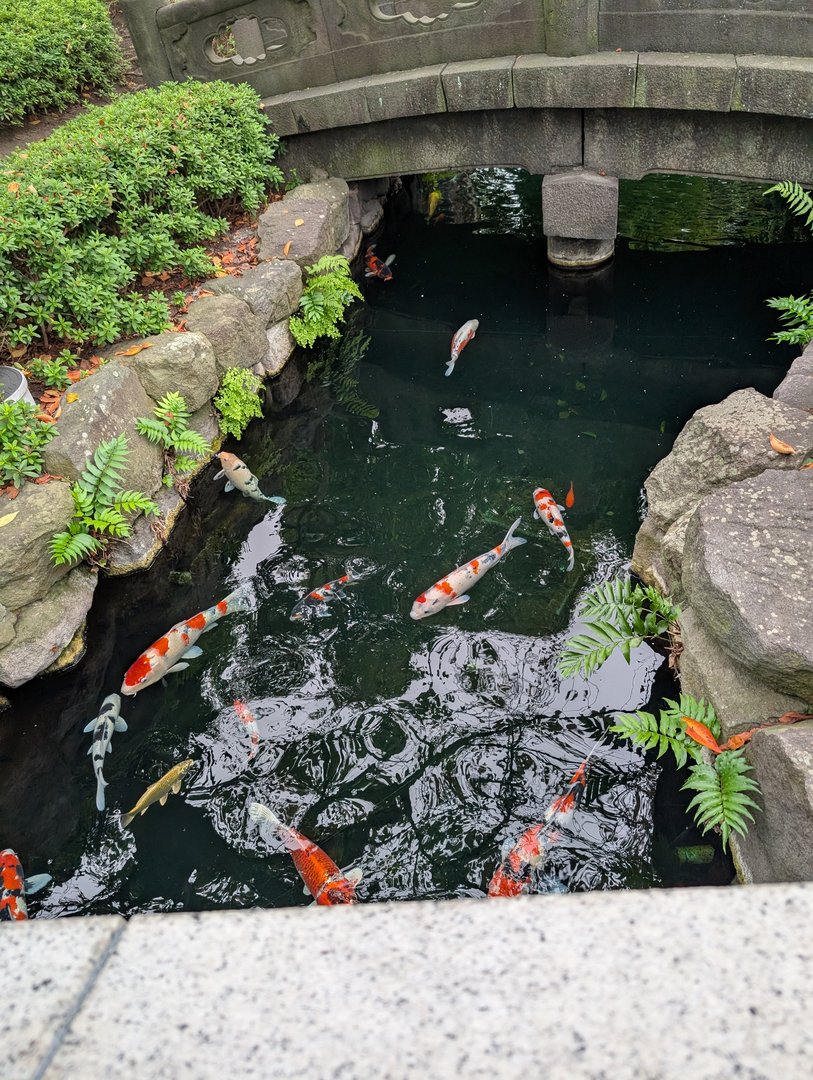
(779, 446)
(7, 519)
(132, 351)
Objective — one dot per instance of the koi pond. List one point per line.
(414, 752)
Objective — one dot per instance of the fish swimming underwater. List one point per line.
(14, 887)
(169, 784)
(103, 727)
(451, 590)
(323, 879)
(377, 268)
(460, 340)
(314, 602)
(563, 805)
(549, 511)
(432, 203)
(240, 478)
(570, 498)
(513, 876)
(170, 652)
(246, 718)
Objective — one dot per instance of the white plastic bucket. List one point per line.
(14, 386)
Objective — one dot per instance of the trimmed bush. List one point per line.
(52, 50)
(130, 187)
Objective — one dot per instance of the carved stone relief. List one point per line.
(419, 12)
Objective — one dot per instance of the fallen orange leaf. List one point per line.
(808, 465)
(286, 248)
(70, 398)
(46, 477)
(793, 717)
(17, 352)
(227, 259)
(44, 418)
(299, 221)
(779, 446)
(14, 187)
(132, 351)
(95, 360)
(74, 375)
(34, 120)
(12, 491)
(205, 292)
(222, 273)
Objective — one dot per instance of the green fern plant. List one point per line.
(723, 801)
(169, 428)
(336, 364)
(620, 615)
(660, 734)
(100, 506)
(329, 289)
(796, 311)
(238, 401)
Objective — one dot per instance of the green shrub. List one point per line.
(22, 440)
(796, 311)
(100, 505)
(170, 429)
(54, 373)
(51, 50)
(121, 190)
(238, 401)
(328, 290)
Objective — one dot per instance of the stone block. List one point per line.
(796, 389)
(280, 115)
(774, 84)
(681, 81)
(318, 108)
(479, 84)
(26, 570)
(322, 207)
(571, 27)
(237, 336)
(579, 254)
(746, 573)
(724, 27)
(45, 627)
(658, 555)
(599, 80)
(740, 700)
(108, 404)
(182, 362)
(281, 345)
(418, 92)
(7, 621)
(371, 218)
(148, 537)
(271, 289)
(580, 205)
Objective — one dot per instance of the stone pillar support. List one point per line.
(579, 217)
(149, 47)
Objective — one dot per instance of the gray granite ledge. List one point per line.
(777, 85)
(658, 983)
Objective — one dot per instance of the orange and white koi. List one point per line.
(451, 590)
(170, 652)
(570, 498)
(323, 879)
(513, 876)
(563, 805)
(240, 478)
(15, 887)
(375, 267)
(315, 600)
(549, 511)
(460, 340)
(246, 718)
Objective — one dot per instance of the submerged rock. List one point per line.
(236, 334)
(746, 572)
(107, 405)
(181, 362)
(281, 345)
(26, 570)
(322, 207)
(272, 289)
(45, 628)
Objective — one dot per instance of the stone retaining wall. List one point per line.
(729, 535)
(245, 324)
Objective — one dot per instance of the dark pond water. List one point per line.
(412, 751)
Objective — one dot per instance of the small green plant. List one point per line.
(99, 506)
(328, 291)
(620, 615)
(22, 441)
(796, 312)
(169, 428)
(335, 364)
(54, 373)
(238, 401)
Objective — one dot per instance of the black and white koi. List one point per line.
(103, 727)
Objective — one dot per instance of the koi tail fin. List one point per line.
(510, 542)
(239, 600)
(278, 500)
(450, 366)
(101, 784)
(571, 559)
(126, 819)
(259, 812)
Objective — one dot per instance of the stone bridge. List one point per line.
(608, 88)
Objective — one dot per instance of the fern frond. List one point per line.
(656, 734)
(800, 202)
(153, 430)
(721, 800)
(584, 653)
(100, 478)
(696, 710)
(190, 442)
(67, 547)
(604, 600)
(134, 502)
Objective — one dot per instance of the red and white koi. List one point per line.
(15, 887)
(170, 652)
(246, 718)
(451, 590)
(513, 876)
(315, 601)
(563, 806)
(460, 340)
(549, 511)
(375, 267)
(326, 883)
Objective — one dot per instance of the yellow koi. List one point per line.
(169, 784)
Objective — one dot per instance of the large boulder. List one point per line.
(746, 573)
(779, 844)
(740, 700)
(796, 388)
(148, 536)
(181, 362)
(45, 628)
(272, 289)
(281, 345)
(107, 405)
(26, 570)
(721, 444)
(237, 335)
(322, 209)
(7, 621)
